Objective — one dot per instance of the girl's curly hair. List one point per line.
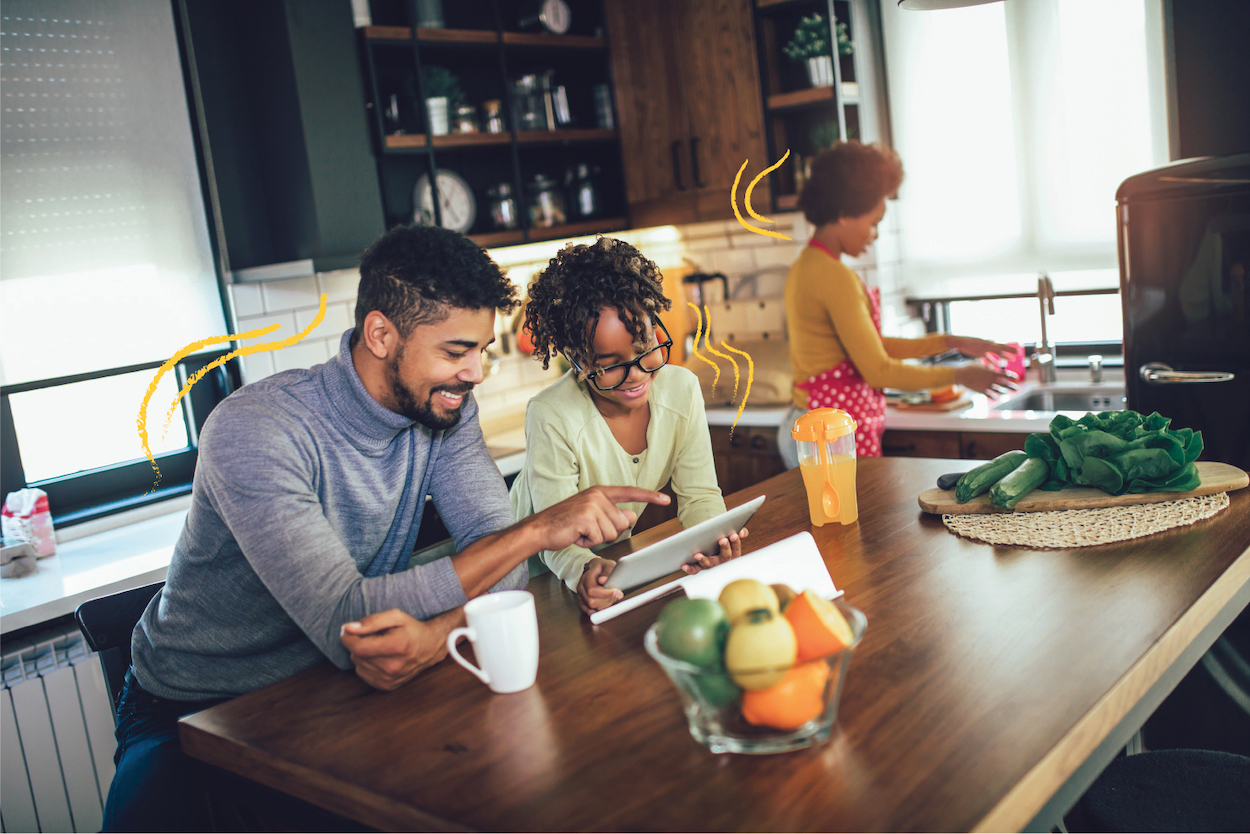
(847, 180)
(579, 282)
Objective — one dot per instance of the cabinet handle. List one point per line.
(735, 441)
(759, 442)
(676, 148)
(694, 162)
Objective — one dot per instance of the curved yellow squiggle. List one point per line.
(697, 335)
(733, 201)
(707, 339)
(243, 351)
(750, 377)
(142, 420)
(746, 198)
(736, 373)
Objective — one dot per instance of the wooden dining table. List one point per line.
(992, 686)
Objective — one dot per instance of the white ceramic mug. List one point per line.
(503, 628)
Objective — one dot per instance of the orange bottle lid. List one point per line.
(822, 424)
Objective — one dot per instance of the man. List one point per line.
(307, 499)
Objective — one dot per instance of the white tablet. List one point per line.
(668, 555)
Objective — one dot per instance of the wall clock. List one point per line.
(455, 197)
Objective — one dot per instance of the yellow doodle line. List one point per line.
(698, 335)
(736, 376)
(750, 377)
(707, 343)
(142, 419)
(733, 199)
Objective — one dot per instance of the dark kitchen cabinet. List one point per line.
(687, 91)
(286, 141)
(745, 456)
(900, 443)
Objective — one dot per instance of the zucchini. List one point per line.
(979, 480)
(1022, 480)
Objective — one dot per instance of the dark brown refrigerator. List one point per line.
(1184, 247)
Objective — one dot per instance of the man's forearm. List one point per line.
(491, 558)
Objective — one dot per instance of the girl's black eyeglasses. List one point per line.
(614, 376)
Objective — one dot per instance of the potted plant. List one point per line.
(811, 44)
(440, 87)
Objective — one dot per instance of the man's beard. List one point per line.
(423, 412)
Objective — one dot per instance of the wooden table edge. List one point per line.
(386, 814)
(1024, 801)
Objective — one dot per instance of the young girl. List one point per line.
(837, 352)
(622, 415)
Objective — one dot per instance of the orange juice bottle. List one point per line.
(826, 439)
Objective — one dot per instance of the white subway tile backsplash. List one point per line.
(286, 322)
(775, 256)
(705, 244)
(247, 300)
(338, 318)
(340, 285)
(257, 366)
(303, 354)
(734, 261)
(290, 293)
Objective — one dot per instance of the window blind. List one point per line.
(105, 259)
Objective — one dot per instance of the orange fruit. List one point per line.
(819, 627)
(796, 699)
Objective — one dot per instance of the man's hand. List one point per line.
(590, 517)
(591, 595)
(391, 648)
(730, 548)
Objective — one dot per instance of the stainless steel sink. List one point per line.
(1066, 398)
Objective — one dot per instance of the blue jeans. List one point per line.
(157, 787)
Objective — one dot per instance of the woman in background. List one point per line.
(622, 415)
(837, 353)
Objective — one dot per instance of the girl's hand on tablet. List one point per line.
(730, 548)
(591, 595)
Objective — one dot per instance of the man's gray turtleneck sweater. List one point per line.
(307, 498)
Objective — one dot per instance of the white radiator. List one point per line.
(57, 743)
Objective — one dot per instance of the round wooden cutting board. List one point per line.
(1216, 477)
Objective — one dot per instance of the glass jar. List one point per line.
(502, 206)
(546, 202)
(494, 120)
(466, 119)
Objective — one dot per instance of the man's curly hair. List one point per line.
(580, 281)
(416, 274)
(848, 180)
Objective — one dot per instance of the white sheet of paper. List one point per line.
(795, 561)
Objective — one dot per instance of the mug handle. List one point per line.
(456, 634)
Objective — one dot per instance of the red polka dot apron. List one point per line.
(842, 387)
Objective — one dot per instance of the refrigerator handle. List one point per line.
(1157, 373)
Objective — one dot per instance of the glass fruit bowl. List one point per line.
(797, 712)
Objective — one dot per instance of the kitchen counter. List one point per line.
(979, 417)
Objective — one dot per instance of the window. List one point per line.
(106, 267)
(1016, 123)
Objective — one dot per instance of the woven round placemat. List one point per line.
(1082, 528)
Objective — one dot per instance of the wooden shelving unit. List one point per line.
(486, 62)
(589, 227)
(798, 117)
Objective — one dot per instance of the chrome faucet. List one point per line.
(1045, 354)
